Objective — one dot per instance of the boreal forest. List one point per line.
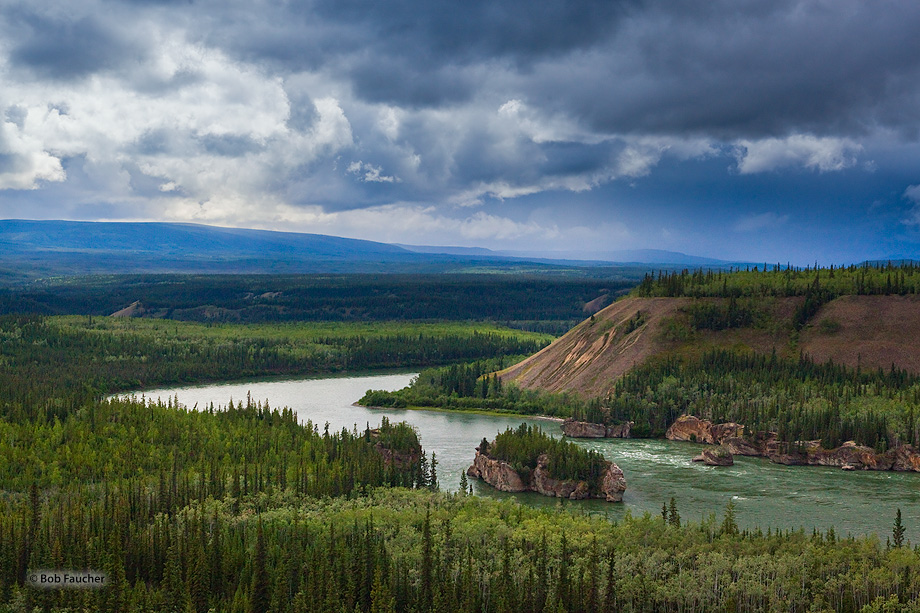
(248, 507)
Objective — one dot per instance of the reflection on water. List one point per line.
(765, 494)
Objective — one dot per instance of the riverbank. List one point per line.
(487, 412)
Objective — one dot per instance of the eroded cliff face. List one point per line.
(496, 473)
(620, 430)
(585, 429)
(544, 484)
(690, 428)
(590, 358)
(502, 476)
(848, 456)
(401, 459)
(613, 483)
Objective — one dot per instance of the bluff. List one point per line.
(502, 476)
(856, 331)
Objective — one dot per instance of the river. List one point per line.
(765, 494)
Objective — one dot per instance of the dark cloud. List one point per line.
(16, 115)
(749, 69)
(302, 114)
(384, 79)
(446, 32)
(741, 106)
(66, 49)
(723, 69)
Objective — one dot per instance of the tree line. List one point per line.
(867, 279)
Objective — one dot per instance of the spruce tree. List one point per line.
(259, 597)
(426, 593)
(729, 526)
(433, 473)
(172, 577)
(197, 580)
(610, 595)
(673, 515)
(423, 471)
(382, 599)
(897, 533)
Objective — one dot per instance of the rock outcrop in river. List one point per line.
(502, 476)
(848, 456)
(690, 428)
(716, 456)
(586, 429)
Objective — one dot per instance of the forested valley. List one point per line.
(52, 364)
(244, 508)
(540, 302)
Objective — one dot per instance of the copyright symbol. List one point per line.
(33, 578)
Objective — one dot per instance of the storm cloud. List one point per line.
(473, 121)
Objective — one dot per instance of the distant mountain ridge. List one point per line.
(627, 256)
(41, 248)
(19, 236)
(74, 247)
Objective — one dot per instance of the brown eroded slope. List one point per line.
(588, 358)
(135, 309)
(871, 331)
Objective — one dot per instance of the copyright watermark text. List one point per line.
(67, 579)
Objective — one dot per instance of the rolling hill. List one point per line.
(30, 249)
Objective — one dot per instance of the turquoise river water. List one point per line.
(765, 494)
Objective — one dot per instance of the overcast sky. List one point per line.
(740, 129)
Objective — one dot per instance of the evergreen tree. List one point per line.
(729, 526)
(424, 472)
(172, 577)
(897, 532)
(425, 589)
(673, 515)
(197, 580)
(433, 473)
(610, 595)
(259, 596)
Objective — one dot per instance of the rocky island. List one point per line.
(526, 459)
